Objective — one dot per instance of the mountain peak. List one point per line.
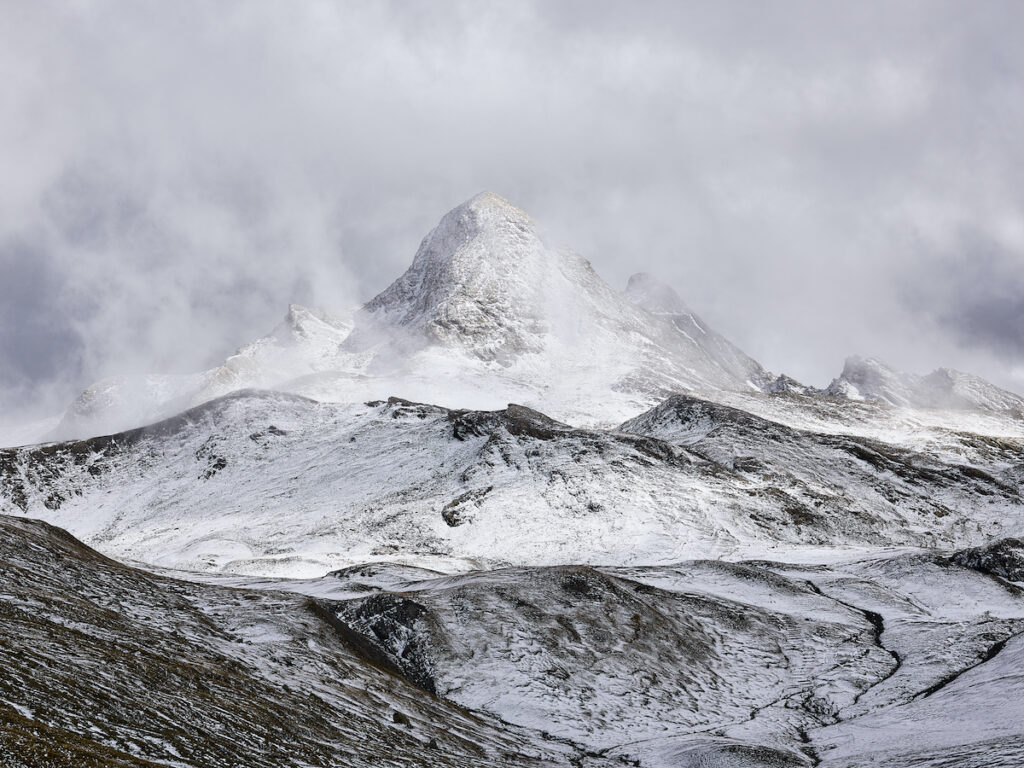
(650, 293)
(869, 372)
(869, 378)
(855, 363)
(488, 312)
(490, 202)
(485, 285)
(484, 216)
(475, 282)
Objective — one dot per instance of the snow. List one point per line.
(304, 343)
(276, 485)
(487, 314)
(595, 528)
(707, 663)
(871, 379)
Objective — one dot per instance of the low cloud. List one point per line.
(176, 173)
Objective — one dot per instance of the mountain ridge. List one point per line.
(615, 539)
(944, 388)
(276, 484)
(488, 313)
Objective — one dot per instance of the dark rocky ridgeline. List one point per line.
(1003, 558)
(106, 666)
(522, 422)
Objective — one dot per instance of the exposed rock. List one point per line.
(1003, 558)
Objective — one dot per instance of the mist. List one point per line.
(816, 180)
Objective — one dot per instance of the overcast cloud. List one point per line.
(816, 178)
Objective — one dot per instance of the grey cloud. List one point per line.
(180, 171)
(975, 294)
(39, 350)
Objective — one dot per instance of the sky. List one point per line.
(816, 179)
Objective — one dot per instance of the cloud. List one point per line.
(975, 293)
(44, 343)
(176, 173)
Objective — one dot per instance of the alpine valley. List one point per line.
(504, 514)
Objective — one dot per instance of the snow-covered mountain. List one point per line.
(486, 289)
(664, 557)
(487, 314)
(871, 379)
(277, 484)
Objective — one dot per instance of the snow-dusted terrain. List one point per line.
(901, 659)
(274, 484)
(106, 666)
(503, 514)
(794, 663)
(306, 342)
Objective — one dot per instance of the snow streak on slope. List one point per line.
(274, 484)
(109, 666)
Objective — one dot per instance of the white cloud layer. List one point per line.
(818, 179)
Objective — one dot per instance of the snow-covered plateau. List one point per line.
(503, 514)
